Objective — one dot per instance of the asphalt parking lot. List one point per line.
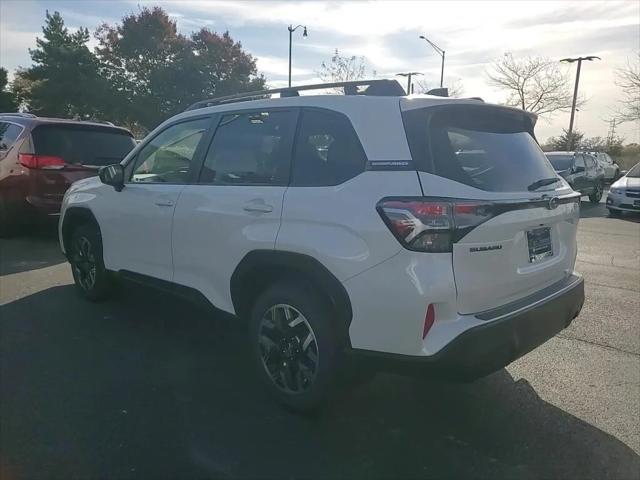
(148, 386)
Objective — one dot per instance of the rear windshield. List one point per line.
(561, 162)
(481, 146)
(84, 145)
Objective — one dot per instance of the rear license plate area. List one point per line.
(540, 246)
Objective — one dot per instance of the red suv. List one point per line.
(41, 157)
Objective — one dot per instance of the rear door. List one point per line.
(236, 204)
(515, 220)
(581, 181)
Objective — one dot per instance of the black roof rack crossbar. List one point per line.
(381, 87)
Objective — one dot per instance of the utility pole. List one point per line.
(408, 75)
(575, 94)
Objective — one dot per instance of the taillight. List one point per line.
(429, 318)
(42, 162)
(427, 225)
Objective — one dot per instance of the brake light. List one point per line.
(426, 225)
(429, 318)
(41, 162)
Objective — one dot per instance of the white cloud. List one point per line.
(279, 66)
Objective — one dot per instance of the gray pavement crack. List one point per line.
(597, 344)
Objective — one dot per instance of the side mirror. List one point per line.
(112, 175)
(578, 169)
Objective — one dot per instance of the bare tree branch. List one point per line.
(628, 78)
(535, 84)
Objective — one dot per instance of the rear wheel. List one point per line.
(92, 280)
(7, 222)
(597, 193)
(295, 345)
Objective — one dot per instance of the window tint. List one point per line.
(84, 145)
(250, 148)
(168, 156)
(579, 161)
(327, 150)
(484, 147)
(561, 162)
(8, 135)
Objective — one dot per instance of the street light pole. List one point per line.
(408, 75)
(575, 94)
(291, 30)
(441, 52)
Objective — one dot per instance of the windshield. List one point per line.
(635, 171)
(561, 162)
(484, 147)
(84, 145)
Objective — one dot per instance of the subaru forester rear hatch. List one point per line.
(491, 199)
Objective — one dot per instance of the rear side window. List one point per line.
(327, 150)
(85, 145)
(8, 135)
(484, 147)
(580, 161)
(561, 162)
(250, 149)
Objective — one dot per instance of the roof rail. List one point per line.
(380, 87)
(18, 114)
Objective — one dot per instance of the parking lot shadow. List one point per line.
(148, 386)
(36, 248)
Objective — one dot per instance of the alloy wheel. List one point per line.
(288, 349)
(84, 263)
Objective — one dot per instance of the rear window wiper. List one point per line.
(542, 182)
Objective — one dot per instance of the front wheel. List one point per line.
(91, 278)
(597, 193)
(295, 345)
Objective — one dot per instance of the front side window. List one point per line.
(485, 147)
(8, 135)
(327, 150)
(169, 156)
(250, 148)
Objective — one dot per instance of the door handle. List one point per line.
(164, 203)
(257, 208)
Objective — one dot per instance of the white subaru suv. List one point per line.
(422, 231)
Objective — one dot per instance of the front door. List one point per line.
(136, 222)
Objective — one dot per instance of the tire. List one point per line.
(91, 278)
(295, 345)
(7, 223)
(614, 213)
(597, 194)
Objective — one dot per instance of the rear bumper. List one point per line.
(509, 333)
(46, 205)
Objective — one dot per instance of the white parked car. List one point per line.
(611, 168)
(624, 195)
(421, 230)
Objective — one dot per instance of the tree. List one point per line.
(565, 142)
(535, 84)
(64, 80)
(344, 69)
(455, 87)
(8, 101)
(157, 72)
(628, 78)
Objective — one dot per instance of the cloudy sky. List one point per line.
(386, 34)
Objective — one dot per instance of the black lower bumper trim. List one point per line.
(486, 348)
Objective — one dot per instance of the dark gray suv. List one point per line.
(581, 170)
